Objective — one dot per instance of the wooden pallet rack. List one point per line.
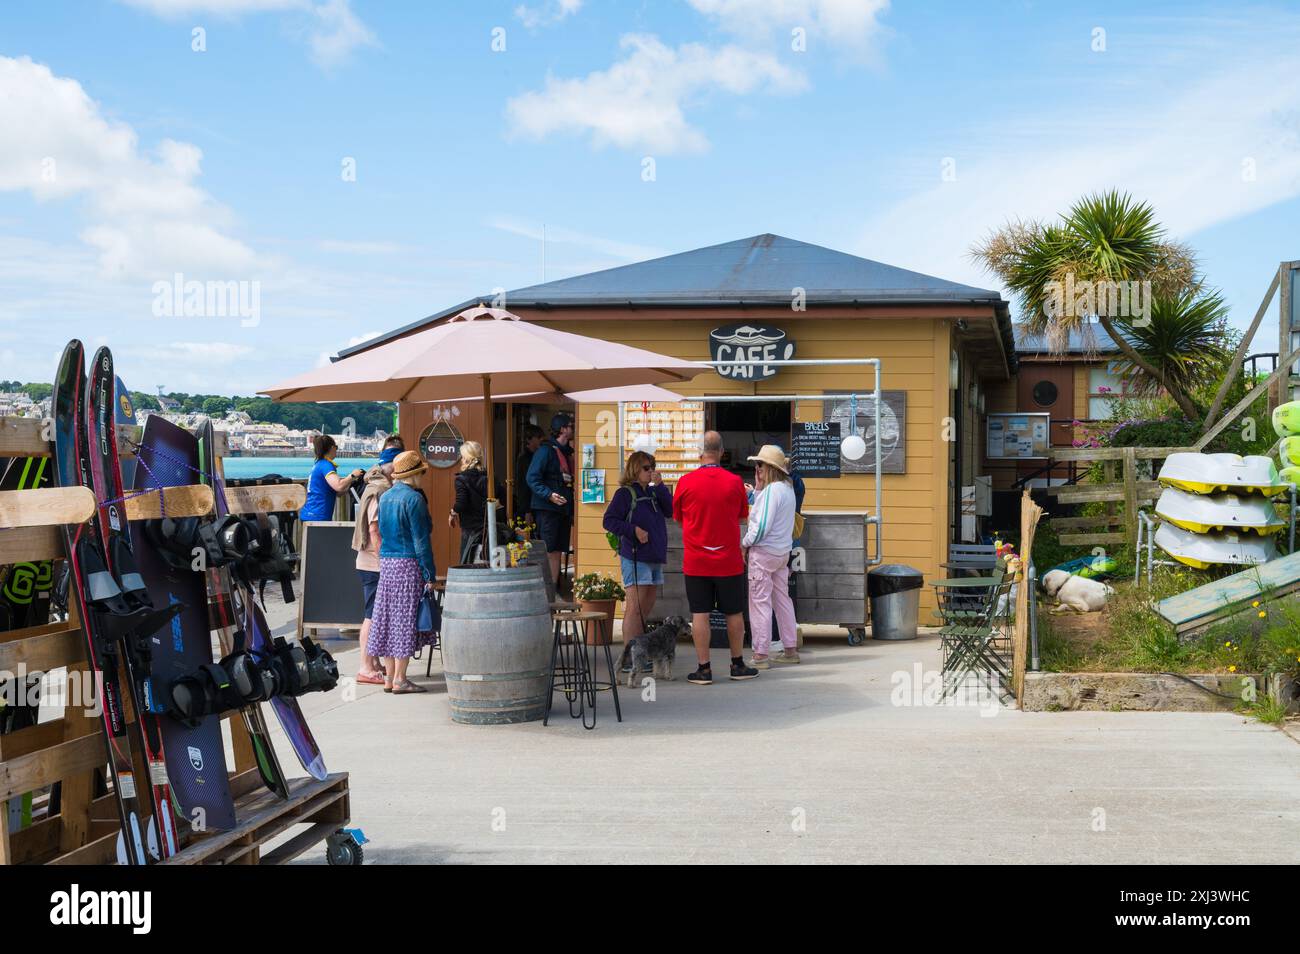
(69, 751)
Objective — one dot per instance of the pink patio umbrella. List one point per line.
(452, 360)
(488, 350)
(633, 394)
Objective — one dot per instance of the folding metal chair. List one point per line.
(976, 640)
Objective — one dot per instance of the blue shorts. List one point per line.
(647, 574)
(369, 586)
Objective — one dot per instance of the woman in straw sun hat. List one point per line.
(767, 544)
(406, 570)
(365, 540)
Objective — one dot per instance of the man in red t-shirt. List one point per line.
(709, 504)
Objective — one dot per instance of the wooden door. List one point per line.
(1045, 387)
(439, 482)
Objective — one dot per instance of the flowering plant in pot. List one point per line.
(596, 592)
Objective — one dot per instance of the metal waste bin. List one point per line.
(895, 593)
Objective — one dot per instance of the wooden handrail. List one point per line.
(1116, 453)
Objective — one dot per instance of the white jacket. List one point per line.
(771, 519)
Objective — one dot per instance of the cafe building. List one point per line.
(941, 347)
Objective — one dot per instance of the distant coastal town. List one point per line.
(246, 437)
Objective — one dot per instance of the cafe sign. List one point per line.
(748, 342)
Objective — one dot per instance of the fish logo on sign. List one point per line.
(748, 343)
(196, 758)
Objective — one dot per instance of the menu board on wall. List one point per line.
(815, 448)
(671, 429)
(1017, 436)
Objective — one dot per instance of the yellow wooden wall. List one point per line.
(914, 358)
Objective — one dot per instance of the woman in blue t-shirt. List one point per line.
(325, 483)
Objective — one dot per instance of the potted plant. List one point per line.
(597, 593)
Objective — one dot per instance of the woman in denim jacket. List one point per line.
(406, 570)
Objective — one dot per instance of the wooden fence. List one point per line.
(1111, 526)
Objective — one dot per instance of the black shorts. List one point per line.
(553, 528)
(369, 586)
(725, 593)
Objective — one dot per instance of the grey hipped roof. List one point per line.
(1090, 340)
(761, 270)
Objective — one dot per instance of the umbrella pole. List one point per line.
(511, 489)
(487, 452)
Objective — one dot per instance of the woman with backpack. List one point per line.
(469, 512)
(637, 516)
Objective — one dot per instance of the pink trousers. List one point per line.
(769, 593)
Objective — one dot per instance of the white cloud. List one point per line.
(640, 101)
(172, 9)
(624, 251)
(852, 25)
(1181, 147)
(337, 33)
(550, 12)
(205, 353)
(333, 34)
(361, 248)
(324, 360)
(148, 214)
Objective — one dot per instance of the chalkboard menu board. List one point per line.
(815, 448)
(331, 594)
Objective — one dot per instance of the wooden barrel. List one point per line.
(496, 644)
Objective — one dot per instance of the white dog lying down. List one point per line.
(1076, 593)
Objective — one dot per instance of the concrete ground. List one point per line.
(839, 759)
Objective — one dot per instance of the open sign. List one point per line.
(746, 342)
(440, 448)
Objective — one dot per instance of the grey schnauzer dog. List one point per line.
(658, 647)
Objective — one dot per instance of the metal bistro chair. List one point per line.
(971, 557)
(440, 593)
(960, 601)
(571, 669)
(573, 673)
(975, 640)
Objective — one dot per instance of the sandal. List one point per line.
(406, 687)
(371, 678)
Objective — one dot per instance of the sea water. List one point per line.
(298, 468)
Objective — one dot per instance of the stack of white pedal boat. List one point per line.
(1219, 508)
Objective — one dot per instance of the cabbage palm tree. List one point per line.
(1185, 339)
(1105, 239)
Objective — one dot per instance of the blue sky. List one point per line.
(129, 156)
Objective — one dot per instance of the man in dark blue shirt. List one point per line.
(550, 477)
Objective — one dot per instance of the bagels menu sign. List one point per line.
(747, 342)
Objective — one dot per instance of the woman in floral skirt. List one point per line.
(406, 571)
